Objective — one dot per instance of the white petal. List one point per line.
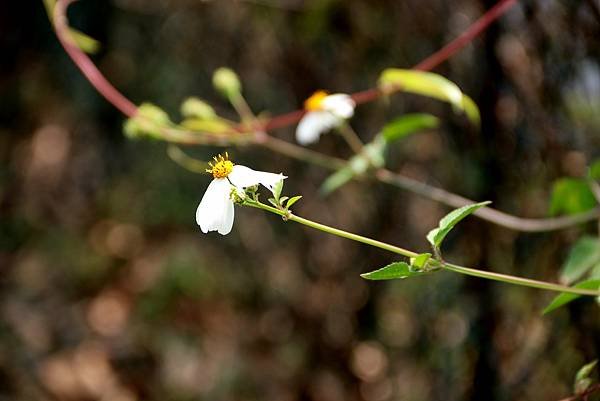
(227, 219)
(243, 177)
(313, 124)
(339, 104)
(215, 211)
(270, 179)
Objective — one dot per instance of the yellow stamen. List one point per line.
(222, 167)
(315, 101)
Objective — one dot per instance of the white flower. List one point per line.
(324, 112)
(215, 211)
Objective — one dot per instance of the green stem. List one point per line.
(505, 278)
(351, 138)
(242, 108)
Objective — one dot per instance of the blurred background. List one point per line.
(109, 291)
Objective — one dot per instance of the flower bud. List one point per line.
(194, 107)
(148, 122)
(227, 82)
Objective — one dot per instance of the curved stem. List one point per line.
(505, 278)
(486, 213)
(351, 138)
(87, 67)
(100, 83)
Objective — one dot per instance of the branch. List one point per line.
(87, 67)
(260, 138)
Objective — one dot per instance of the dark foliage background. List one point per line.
(110, 292)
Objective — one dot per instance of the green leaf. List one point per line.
(429, 84)
(273, 202)
(582, 378)
(584, 255)
(594, 170)
(571, 196)
(408, 124)
(277, 188)
(447, 223)
(293, 200)
(564, 298)
(595, 273)
(471, 110)
(336, 180)
(420, 261)
(374, 152)
(396, 270)
(586, 370)
(372, 156)
(84, 42)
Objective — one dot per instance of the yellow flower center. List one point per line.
(315, 102)
(222, 166)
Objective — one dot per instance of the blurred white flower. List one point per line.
(324, 112)
(215, 211)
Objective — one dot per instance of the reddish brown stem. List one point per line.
(87, 67)
(466, 37)
(429, 63)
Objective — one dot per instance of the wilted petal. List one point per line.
(313, 124)
(243, 177)
(215, 211)
(339, 104)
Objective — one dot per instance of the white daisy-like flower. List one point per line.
(215, 211)
(324, 112)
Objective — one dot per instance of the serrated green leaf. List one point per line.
(564, 298)
(431, 85)
(293, 200)
(571, 196)
(420, 261)
(447, 223)
(396, 270)
(584, 255)
(408, 124)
